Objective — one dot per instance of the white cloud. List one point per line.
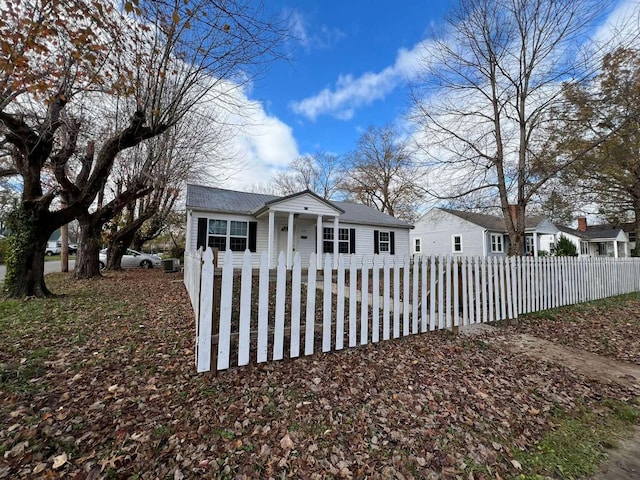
(351, 92)
(323, 37)
(263, 145)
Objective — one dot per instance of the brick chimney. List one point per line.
(582, 224)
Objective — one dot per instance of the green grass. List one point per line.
(34, 330)
(576, 446)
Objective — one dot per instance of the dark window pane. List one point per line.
(343, 247)
(327, 247)
(218, 242)
(327, 233)
(343, 234)
(238, 244)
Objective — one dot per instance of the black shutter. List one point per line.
(352, 240)
(202, 233)
(376, 248)
(253, 233)
(392, 242)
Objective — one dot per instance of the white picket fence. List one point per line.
(245, 315)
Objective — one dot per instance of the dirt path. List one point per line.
(624, 460)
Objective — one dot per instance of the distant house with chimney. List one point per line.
(596, 240)
(444, 231)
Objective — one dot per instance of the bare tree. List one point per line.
(381, 173)
(141, 65)
(317, 172)
(485, 100)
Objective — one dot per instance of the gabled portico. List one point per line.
(293, 218)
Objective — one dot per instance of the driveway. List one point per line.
(49, 267)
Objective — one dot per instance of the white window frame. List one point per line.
(417, 245)
(344, 238)
(497, 243)
(227, 235)
(584, 247)
(384, 246)
(530, 245)
(453, 243)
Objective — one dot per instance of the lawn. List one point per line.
(100, 382)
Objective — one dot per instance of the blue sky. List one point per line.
(347, 70)
(344, 73)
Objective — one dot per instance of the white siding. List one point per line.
(436, 229)
(304, 204)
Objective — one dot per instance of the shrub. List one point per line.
(3, 250)
(566, 248)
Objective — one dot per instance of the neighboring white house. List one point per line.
(444, 231)
(597, 240)
(302, 222)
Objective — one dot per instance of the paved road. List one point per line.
(49, 267)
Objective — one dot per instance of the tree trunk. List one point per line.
(25, 258)
(115, 251)
(87, 256)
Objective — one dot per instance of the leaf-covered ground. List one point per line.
(615, 334)
(101, 383)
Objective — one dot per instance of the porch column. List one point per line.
(335, 241)
(615, 249)
(290, 241)
(535, 244)
(626, 249)
(271, 235)
(319, 236)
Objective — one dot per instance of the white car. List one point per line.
(133, 259)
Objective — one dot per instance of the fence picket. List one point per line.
(423, 296)
(310, 319)
(296, 284)
(263, 308)
(415, 278)
(205, 314)
(244, 329)
(432, 294)
(465, 292)
(326, 304)
(440, 303)
(353, 312)
(405, 296)
(456, 294)
(364, 304)
(375, 300)
(226, 297)
(340, 304)
(385, 299)
(396, 297)
(281, 290)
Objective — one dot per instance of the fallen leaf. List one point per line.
(59, 460)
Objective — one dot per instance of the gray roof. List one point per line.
(492, 222)
(233, 201)
(591, 234)
(572, 231)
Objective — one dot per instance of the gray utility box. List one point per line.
(170, 265)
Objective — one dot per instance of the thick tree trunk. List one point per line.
(87, 256)
(25, 258)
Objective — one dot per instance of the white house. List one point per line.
(597, 240)
(302, 222)
(444, 231)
